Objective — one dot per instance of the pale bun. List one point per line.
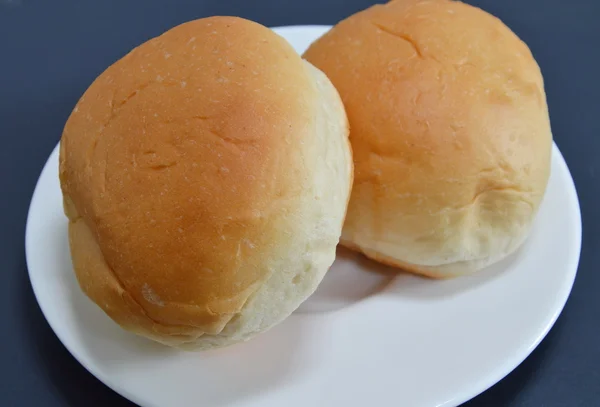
(450, 134)
(206, 177)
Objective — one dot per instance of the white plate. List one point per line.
(367, 337)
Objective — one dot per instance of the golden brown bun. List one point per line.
(449, 130)
(206, 177)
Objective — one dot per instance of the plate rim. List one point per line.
(472, 391)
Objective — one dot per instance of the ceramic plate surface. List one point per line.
(368, 336)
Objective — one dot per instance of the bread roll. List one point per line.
(205, 176)
(449, 130)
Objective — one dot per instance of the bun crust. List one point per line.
(206, 176)
(449, 129)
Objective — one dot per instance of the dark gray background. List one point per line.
(51, 50)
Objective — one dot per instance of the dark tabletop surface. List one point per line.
(50, 51)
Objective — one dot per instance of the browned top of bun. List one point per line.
(184, 159)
